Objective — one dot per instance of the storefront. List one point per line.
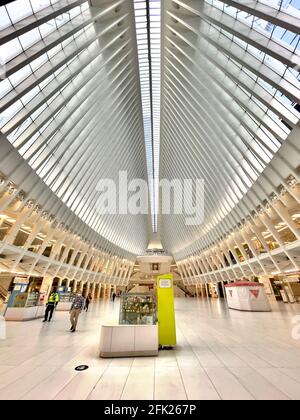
(66, 297)
(291, 287)
(26, 298)
(213, 290)
(6, 281)
(282, 288)
(23, 300)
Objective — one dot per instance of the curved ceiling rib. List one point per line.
(71, 106)
(231, 97)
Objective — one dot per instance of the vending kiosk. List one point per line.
(166, 311)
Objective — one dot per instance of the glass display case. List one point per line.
(138, 309)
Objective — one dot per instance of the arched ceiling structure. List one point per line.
(71, 108)
(230, 99)
(174, 89)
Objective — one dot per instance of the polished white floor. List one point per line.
(220, 354)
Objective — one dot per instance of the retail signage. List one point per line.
(254, 293)
(42, 299)
(165, 283)
(21, 280)
(231, 293)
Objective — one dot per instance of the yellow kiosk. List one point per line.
(166, 311)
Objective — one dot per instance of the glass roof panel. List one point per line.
(150, 68)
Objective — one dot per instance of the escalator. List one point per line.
(187, 291)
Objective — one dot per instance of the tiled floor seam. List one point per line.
(182, 381)
(248, 390)
(208, 377)
(100, 377)
(126, 380)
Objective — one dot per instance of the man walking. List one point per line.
(51, 305)
(76, 308)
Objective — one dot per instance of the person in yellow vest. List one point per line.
(51, 305)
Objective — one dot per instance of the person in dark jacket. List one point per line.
(87, 302)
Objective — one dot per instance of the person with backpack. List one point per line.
(51, 305)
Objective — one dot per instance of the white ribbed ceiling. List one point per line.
(71, 104)
(231, 96)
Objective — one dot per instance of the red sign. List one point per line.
(255, 293)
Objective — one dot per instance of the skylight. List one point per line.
(148, 29)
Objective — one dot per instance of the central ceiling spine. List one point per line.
(148, 28)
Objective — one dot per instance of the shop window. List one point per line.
(286, 235)
(296, 218)
(55, 282)
(35, 284)
(226, 261)
(273, 245)
(21, 238)
(62, 249)
(90, 264)
(4, 229)
(248, 251)
(83, 261)
(6, 284)
(77, 258)
(37, 242)
(64, 282)
(70, 253)
(239, 254)
(258, 246)
(34, 249)
(270, 240)
(47, 251)
(233, 260)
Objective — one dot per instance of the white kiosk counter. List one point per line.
(247, 296)
(24, 314)
(128, 340)
(24, 306)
